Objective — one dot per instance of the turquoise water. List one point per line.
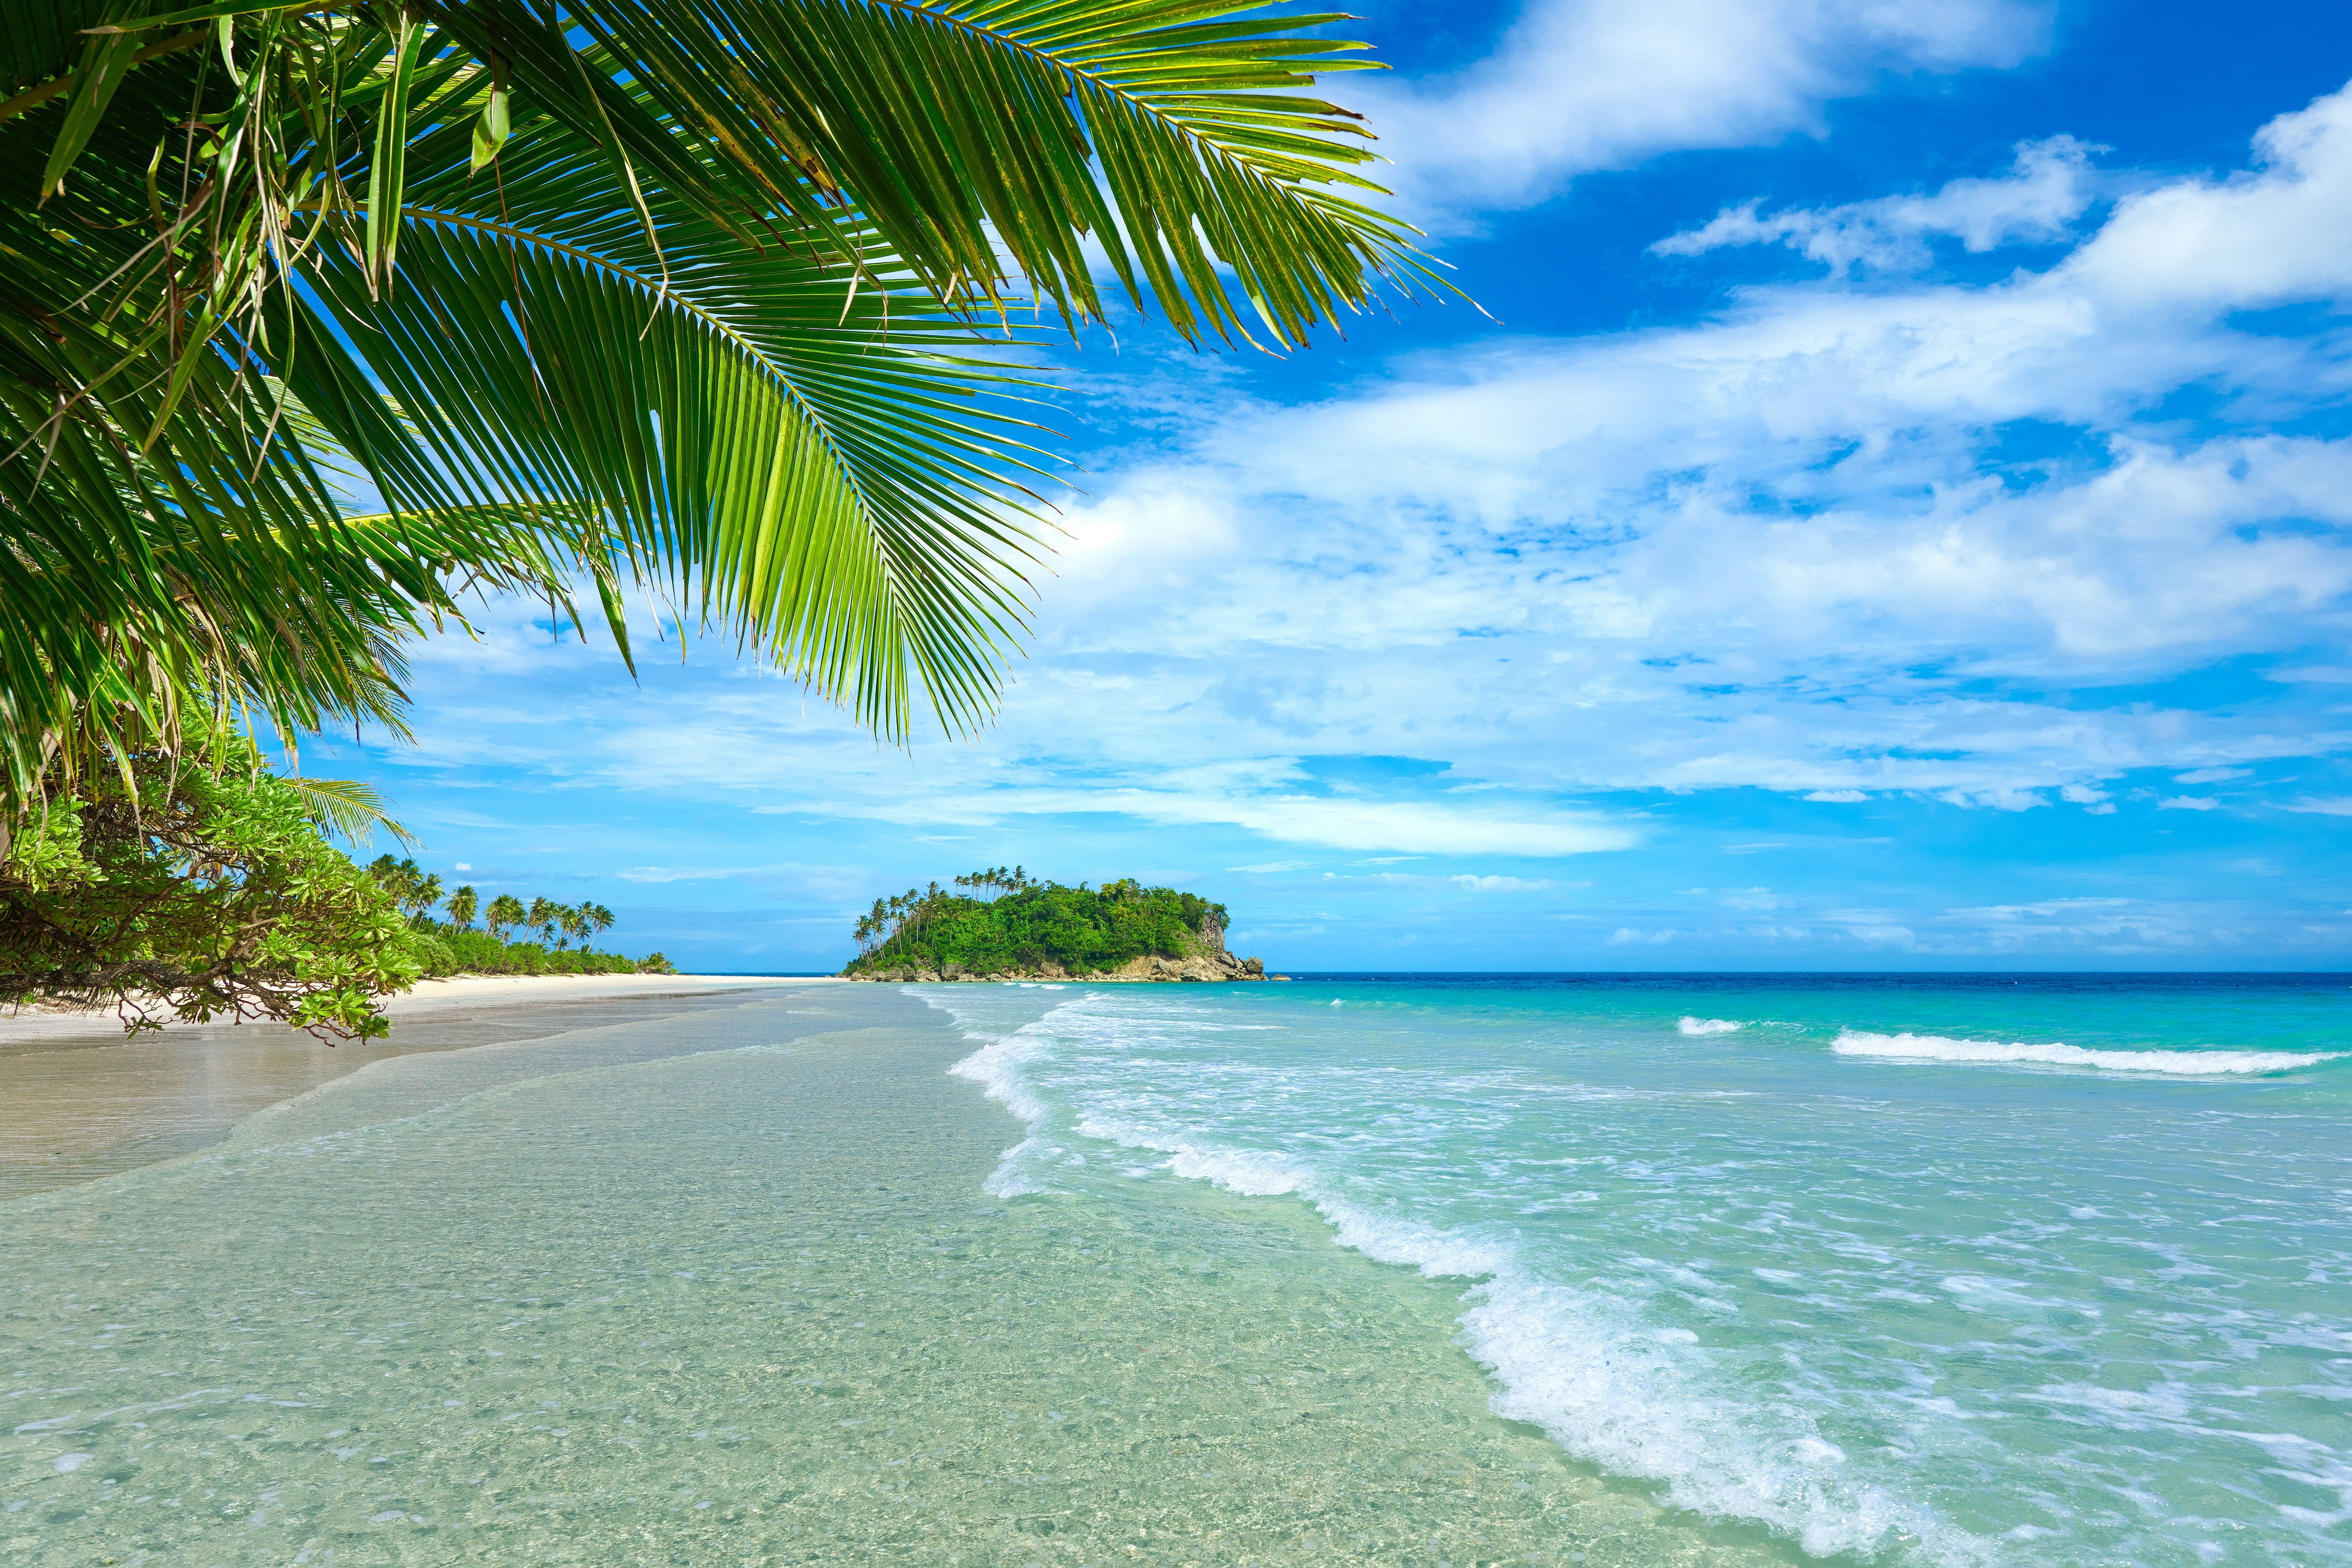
(2027, 1271)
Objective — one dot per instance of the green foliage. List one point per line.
(1030, 923)
(412, 888)
(505, 913)
(196, 886)
(454, 947)
(450, 949)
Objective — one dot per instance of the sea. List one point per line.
(1611, 1270)
(1951, 1270)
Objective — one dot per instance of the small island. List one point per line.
(1001, 924)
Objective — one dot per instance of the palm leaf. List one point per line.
(986, 143)
(346, 807)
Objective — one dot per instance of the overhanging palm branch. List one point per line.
(678, 292)
(350, 808)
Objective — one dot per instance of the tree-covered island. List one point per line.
(1003, 924)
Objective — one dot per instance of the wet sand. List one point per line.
(79, 1101)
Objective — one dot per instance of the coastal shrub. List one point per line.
(193, 884)
(1028, 924)
(476, 953)
(449, 950)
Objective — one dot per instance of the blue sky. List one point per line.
(1894, 515)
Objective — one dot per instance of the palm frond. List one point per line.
(986, 141)
(797, 451)
(348, 807)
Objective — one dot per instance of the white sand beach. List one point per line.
(429, 997)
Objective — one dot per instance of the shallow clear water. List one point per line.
(727, 1289)
(2036, 1271)
(74, 1107)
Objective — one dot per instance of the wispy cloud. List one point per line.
(1587, 84)
(2047, 189)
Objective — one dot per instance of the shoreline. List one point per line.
(425, 998)
(735, 1290)
(85, 1101)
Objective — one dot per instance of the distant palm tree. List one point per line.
(505, 913)
(689, 296)
(598, 918)
(462, 905)
(573, 919)
(411, 888)
(394, 875)
(545, 916)
(874, 926)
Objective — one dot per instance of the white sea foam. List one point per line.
(1629, 1395)
(2182, 1064)
(1707, 1026)
(1633, 1401)
(1641, 1401)
(996, 1068)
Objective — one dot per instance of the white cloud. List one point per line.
(2047, 189)
(1578, 84)
(2276, 234)
(2187, 803)
(2328, 805)
(1784, 548)
(2092, 799)
(2210, 775)
(1755, 898)
(1765, 550)
(1501, 884)
(1342, 823)
(683, 873)
(2049, 909)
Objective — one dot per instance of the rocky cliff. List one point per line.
(1206, 965)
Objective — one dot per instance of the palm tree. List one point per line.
(405, 881)
(422, 895)
(505, 913)
(462, 905)
(599, 919)
(573, 920)
(697, 299)
(545, 916)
